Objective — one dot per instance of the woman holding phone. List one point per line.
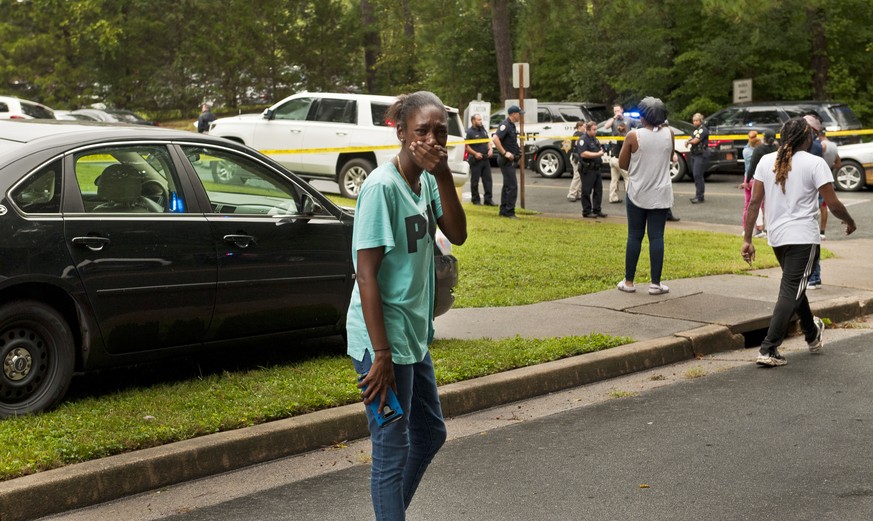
(390, 318)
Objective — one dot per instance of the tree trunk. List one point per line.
(500, 24)
(409, 34)
(819, 54)
(372, 44)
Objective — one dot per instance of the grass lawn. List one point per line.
(504, 262)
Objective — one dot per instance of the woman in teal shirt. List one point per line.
(390, 319)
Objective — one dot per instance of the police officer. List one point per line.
(506, 143)
(479, 157)
(699, 144)
(591, 152)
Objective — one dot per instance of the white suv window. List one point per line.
(330, 110)
(296, 109)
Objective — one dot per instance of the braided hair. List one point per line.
(795, 137)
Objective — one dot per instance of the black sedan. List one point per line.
(121, 246)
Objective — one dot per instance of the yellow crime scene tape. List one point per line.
(527, 137)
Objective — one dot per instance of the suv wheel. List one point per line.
(678, 169)
(850, 176)
(550, 163)
(352, 176)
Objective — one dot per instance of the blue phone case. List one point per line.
(392, 410)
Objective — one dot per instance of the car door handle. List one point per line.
(241, 241)
(295, 131)
(90, 242)
(342, 133)
(547, 127)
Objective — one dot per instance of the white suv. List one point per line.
(17, 108)
(315, 121)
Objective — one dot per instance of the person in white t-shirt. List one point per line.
(791, 179)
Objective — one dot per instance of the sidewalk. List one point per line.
(699, 317)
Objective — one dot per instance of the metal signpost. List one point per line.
(521, 80)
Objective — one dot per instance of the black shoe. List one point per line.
(490, 203)
(695, 200)
(673, 219)
(513, 216)
(477, 203)
(589, 215)
(600, 214)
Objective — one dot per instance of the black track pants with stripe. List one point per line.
(797, 261)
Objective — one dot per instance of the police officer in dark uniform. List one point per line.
(699, 144)
(479, 157)
(591, 152)
(506, 142)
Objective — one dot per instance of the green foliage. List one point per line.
(166, 56)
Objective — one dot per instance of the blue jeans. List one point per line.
(637, 221)
(698, 169)
(402, 450)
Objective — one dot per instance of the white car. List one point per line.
(856, 167)
(345, 137)
(17, 108)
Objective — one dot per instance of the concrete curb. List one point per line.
(93, 482)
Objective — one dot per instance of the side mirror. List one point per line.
(311, 206)
(268, 114)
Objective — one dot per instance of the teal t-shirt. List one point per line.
(389, 214)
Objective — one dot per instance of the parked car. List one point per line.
(738, 120)
(354, 123)
(111, 115)
(120, 248)
(17, 108)
(551, 157)
(556, 119)
(856, 167)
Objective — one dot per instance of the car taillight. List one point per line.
(17, 117)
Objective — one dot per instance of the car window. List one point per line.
(768, 116)
(379, 111)
(726, 117)
(331, 110)
(295, 109)
(455, 126)
(250, 188)
(543, 115)
(128, 179)
(572, 114)
(40, 192)
(599, 113)
(4, 107)
(497, 118)
(36, 111)
(845, 117)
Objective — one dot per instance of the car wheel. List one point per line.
(850, 176)
(550, 163)
(678, 169)
(222, 172)
(36, 358)
(352, 176)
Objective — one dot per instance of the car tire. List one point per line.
(352, 176)
(36, 358)
(550, 163)
(222, 172)
(678, 169)
(850, 176)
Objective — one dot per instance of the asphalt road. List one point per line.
(718, 438)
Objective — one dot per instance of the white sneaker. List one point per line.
(773, 360)
(816, 345)
(760, 234)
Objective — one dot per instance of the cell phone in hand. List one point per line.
(388, 414)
